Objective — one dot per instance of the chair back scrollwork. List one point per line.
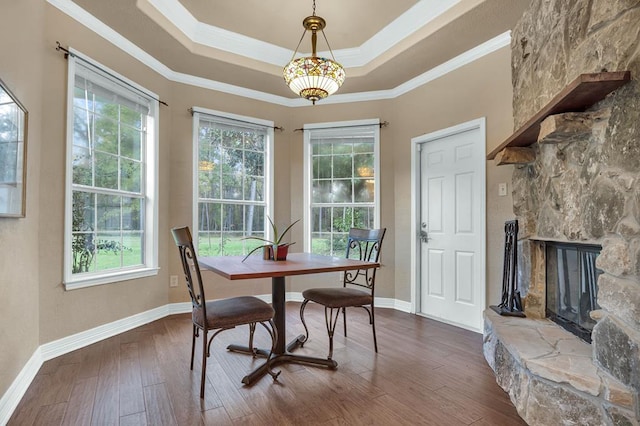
(363, 244)
(191, 268)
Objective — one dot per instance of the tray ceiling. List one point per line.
(245, 43)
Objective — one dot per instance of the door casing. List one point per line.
(416, 142)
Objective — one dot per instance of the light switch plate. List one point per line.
(502, 189)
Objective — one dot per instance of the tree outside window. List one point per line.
(233, 184)
(342, 170)
(111, 175)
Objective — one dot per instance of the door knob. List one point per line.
(424, 236)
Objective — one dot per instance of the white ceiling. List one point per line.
(241, 46)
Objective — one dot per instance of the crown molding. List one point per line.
(92, 23)
(231, 89)
(486, 48)
(415, 18)
(173, 13)
(420, 15)
(471, 55)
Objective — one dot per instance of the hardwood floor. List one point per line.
(426, 373)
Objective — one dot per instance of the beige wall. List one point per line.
(36, 308)
(180, 206)
(63, 313)
(21, 70)
(480, 89)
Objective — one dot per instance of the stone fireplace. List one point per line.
(578, 184)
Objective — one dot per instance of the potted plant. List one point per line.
(273, 249)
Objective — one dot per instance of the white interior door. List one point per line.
(452, 226)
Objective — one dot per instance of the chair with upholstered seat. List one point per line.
(358, 287)
(218, 315)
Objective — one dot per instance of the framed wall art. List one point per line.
(13, 154)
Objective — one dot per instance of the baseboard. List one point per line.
(19, 387)
(16, 391)
(80, 340)
(179, 308)
(398, 305)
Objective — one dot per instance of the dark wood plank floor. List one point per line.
(426, 373)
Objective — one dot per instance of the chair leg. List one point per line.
(344, 320)
(273, 332)
(373, 326)
(372, 321)
(306, 330)
(205, 354)
(331, 321)
(193, 344)
(206, 351)
(252, 330)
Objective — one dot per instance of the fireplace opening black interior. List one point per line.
(572, 286)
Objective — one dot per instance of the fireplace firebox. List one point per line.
(572, 286)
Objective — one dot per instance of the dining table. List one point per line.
(239, 268)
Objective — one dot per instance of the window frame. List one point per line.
(308, 172)
(268, 166)
(150, 159)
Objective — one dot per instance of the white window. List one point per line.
(111, 190)
(341, 182)
(232, 180)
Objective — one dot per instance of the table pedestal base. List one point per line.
(280, 358)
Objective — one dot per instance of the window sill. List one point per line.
(114, 277)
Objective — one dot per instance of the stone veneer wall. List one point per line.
(586, 190)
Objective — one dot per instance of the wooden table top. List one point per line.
(233, 268)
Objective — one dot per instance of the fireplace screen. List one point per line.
(572, 286)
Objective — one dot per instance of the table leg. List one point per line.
(280, 317)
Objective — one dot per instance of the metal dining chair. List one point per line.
(358, 287)
(218, 315)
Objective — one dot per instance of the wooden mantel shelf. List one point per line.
(577, 96)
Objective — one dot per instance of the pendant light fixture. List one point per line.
(313, 77)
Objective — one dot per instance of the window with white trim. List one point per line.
(341, 182)
(233, 181)
(111, 190)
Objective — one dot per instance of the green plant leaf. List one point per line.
(285, 231)
(274, 228)
(255, 249)
(277, 238)
(260, 239)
